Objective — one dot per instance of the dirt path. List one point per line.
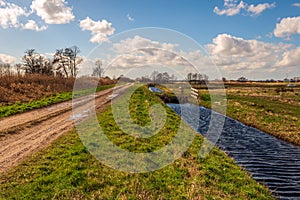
(26, 133)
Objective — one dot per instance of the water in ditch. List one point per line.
(270, 161)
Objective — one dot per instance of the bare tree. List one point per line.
(72, 54)
(98, 71)
(66, 61)
(154, 76)
(5, 69)
(189, 76)
(34, 63)
(18, 69)
(61, 63)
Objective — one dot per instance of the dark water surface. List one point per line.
(270, 160)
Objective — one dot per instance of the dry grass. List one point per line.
(27, 88)
(31, 87)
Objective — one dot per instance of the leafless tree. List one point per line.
(154, 76)
(18, 69)
(67, 61)
(5, 69)
(189, 76)
(98, 71)
(72, 53)
(61, 63)
(34, 63)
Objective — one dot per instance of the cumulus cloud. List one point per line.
(130, 18)
(287, 27)
(258, 9)
(10, 14)
(296, 4)
(139, 51)
(232, 7)
(6, 59)
(290, 58)
(100, 29)
(138, 42)
(235, 53)
(32, 25)
(53, 11)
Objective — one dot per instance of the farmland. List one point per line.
(273, 108)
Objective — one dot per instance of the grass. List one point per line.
(19, 107)
(272, 109)
(66, 170)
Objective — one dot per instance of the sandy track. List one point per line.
(26, 133)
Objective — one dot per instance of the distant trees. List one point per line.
(5, 69)
(34, 63)
(242, 79)
(197, 77)
(98, 71)
(164, 77)
(64, 63)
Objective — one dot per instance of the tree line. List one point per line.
(63, 64)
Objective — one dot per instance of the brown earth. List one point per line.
(25, 134)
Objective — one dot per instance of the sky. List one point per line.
(255, 39)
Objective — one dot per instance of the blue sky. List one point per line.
(217, 25)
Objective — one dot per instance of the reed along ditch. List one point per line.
(270, 161)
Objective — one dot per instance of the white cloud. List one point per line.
(287, 27)
(232, 7)
(139, 51)
(290, 58)
(258, 9)
(235, 53)
(100, 29)
(32, 25)
(296, 4)
(7, 59)
(130, 18)
(10, 14)
(53, 11)
(137, 42)
(2, 3)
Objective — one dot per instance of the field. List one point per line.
(67, 170)
(273, 108)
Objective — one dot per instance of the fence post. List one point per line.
(194, 93)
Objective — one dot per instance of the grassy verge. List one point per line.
(16, 108)
(66, 170)
(274, 110)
